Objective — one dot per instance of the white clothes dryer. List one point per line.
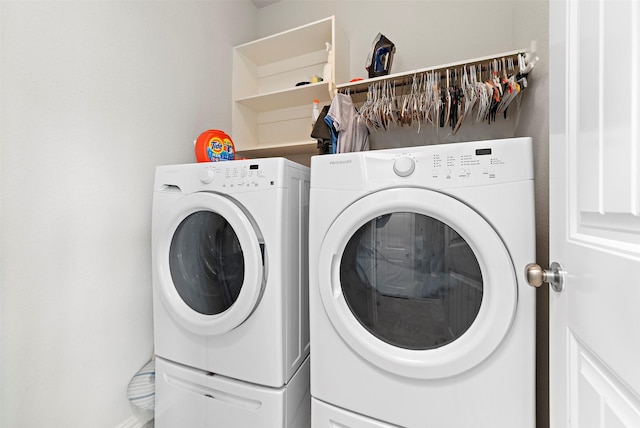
(230, 268)
(419, 312)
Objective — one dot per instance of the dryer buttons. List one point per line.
(404, 166)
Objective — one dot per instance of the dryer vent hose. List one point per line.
(141, 389)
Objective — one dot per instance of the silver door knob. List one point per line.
(536, 276)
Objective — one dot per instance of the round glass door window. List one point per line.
(411, 280)
(206, 262)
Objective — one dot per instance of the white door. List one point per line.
(394, 237)
(595, 213)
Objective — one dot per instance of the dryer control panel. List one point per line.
(242, 175)
(437, 166)
(481, 163)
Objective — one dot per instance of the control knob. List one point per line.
(404, 166)
(207, 175)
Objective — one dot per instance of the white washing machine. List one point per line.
(420, 316)
(230, 292)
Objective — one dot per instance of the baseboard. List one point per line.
(140, 421)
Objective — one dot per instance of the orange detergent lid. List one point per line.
(214, 145)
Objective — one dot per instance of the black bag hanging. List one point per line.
(322, 133)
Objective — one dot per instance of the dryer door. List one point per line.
(210, 263)
(417, 283)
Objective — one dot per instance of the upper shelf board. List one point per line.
(288, 44)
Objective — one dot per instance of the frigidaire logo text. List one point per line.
(339, 162)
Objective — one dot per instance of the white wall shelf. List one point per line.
(271, 115)
(286, 98)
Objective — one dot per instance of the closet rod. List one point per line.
(362, 86)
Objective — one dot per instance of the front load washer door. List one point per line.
(417, 283)
(210, 263)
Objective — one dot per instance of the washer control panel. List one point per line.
(245, 175)
(238, 175)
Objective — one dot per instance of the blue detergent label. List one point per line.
(220, 149)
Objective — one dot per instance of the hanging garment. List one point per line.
(334, 134)
(352, 131)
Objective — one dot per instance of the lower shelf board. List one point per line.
(305, 148)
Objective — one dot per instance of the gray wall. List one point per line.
(94, 95)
